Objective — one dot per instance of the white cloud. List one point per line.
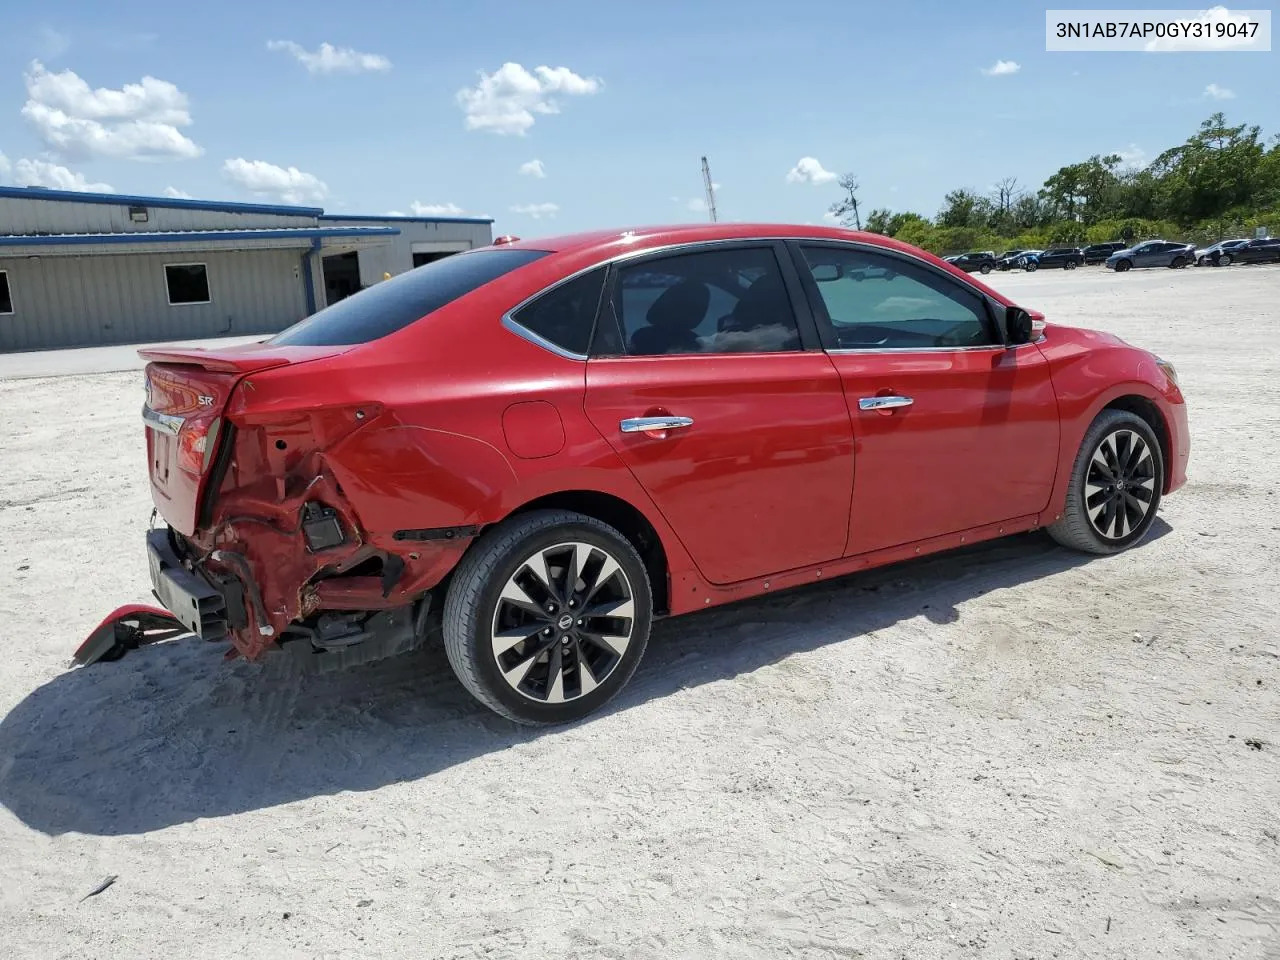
(395, 213)
(1226, 31)
(1002, 68)
(696, 205)
(505, 102)
(287, 184)
(330, 59)
(809, 170)
(5, 166)
(533, 168)
(1132, 156)
(436, 209)
(42, 173)
(830, 217)
(176, 194)
(1215, 92)
(536, 210)
(139, 121)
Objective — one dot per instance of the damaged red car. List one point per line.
(536, 448)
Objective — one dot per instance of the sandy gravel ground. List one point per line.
(1006, 753)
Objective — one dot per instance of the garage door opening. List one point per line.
(341, 276)
(423, 258)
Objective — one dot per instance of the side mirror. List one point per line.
(826, 272)
(1018, 326)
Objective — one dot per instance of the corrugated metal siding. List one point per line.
(18, 215)
(86, 301)
(397, 256)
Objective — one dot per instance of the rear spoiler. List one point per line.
(246, 359)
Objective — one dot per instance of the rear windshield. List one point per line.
(392, 304)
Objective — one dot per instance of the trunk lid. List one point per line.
(188, 390)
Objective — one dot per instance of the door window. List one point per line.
(876, 302)
(714, 301)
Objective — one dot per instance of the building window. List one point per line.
(6, 301)
(187, 283)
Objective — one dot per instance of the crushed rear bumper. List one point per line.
(207, 606)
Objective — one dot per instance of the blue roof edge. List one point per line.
(349, 217)
(130, 200)
(177, 236)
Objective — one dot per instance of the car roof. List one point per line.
(605, 242)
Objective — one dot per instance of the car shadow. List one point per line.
(173, 734)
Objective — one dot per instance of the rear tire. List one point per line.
(1115, 486)
(547, 617)
(986, 268)
(1069, 265)
(1178, 263)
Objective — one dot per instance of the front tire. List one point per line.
(547, 617)
(1123, 265)
(1226, 259)
(1115, 486)
(1032, 266)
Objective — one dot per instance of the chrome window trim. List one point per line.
(515, 327)
(537, 340)
(990, 347)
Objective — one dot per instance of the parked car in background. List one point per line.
(1152, 253)
(978, 262)
(1007, 259)
(1098, 252)
(635, 425)
(1026, 260)
(1068, 258)
(1266, 250)
(1223, 248)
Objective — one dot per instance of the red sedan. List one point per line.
(542, 445)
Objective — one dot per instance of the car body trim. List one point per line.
(161, 422)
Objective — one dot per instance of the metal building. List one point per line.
(81, 269)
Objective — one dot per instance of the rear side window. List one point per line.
(721, 301)
(565, 315)
(394, 304)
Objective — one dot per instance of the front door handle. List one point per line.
(654, 424)
(883, 403)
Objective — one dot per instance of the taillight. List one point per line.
(197, 440)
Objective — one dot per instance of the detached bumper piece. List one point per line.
(124, 629)
(193, 600)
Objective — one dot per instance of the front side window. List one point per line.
(6, 299)
(565, 315)
(393, 304)
(875, 302)
(716, 301)
(187, 283)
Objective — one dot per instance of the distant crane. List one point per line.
(711, 189)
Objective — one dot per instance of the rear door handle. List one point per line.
(884, 403)
(650, 424)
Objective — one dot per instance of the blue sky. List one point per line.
(893, 93)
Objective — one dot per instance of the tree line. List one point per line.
(1222, 182)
